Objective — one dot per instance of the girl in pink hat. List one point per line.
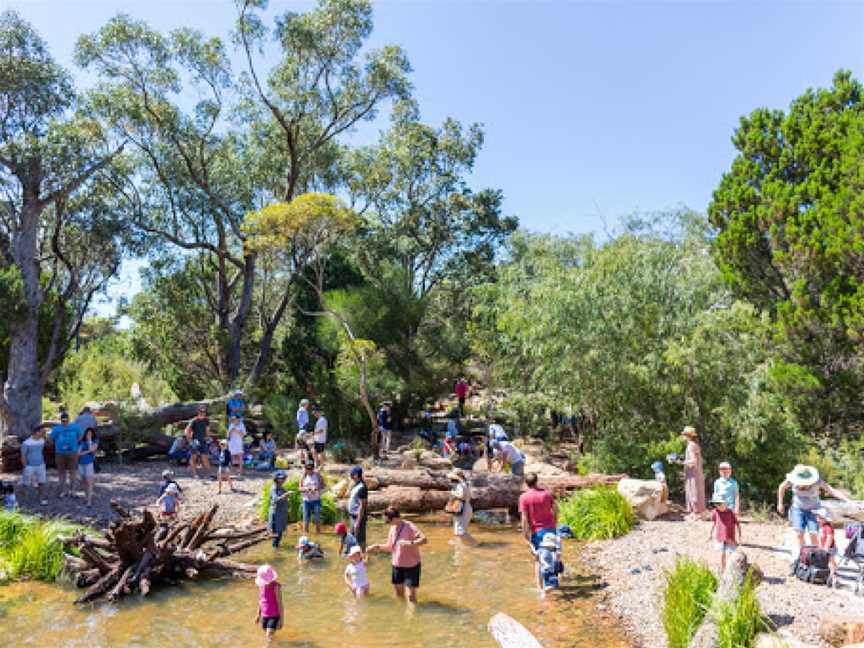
(269, 602)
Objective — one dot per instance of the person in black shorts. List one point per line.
(403, 544)
(358, 502)
(196, 432)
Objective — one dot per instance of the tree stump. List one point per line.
(139, 552)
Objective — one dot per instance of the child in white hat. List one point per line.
(355, 573)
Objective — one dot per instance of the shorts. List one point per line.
(518, 469)
(66, 461)
(359, 533)
(311, 509)
(196, 448)
(86, 470)
(408, 576)
(725, 547)
(319, 447)
(34, 474)
(223, 471)
(537, 536)
(803, 520)
(270, 623)
(550, 579)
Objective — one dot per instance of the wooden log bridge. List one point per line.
(422, 490)
(138, 552)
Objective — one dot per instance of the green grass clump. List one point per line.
(741, 620)
(295, 504)
(29, 546)
(689, 589)
(597, 514)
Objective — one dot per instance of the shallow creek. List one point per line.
(461, 588)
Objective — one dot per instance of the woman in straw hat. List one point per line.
(806, 488)
(694, 478)
(461, 491)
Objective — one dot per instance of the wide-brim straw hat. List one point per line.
(455, 475)
(690, 432)
(266, 575)
(803, 475)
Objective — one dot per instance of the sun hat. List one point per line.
(304, 401)
(550, 541)
(279, 475)
(455, 475)
(690, 432)
(167, 473)
(266, 575)
(657, 466)
(823, 513)
(310, 464)
(718, 499)
(302, 542)
(172, 488)
(803, 475)
(238, 392)
(223, 443)
(341, 528)
(355, 550)
(723, 465)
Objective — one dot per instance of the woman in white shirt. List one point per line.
(236, 432)
(319, 438)
(461, 491)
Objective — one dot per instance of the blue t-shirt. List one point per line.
(727, 489)
(236, 406)
(84, 459)
(65, 438)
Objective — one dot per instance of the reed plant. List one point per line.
(597, 514)
(30, 546)
(741, 620)
(690, 587)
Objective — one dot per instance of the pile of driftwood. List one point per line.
(421, 490)
(138, 553)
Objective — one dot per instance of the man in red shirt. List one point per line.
(461, 389)
(539, 514)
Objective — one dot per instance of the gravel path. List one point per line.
(137, 485)
(794, 607)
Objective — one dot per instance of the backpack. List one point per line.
(812, 565)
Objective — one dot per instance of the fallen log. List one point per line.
(509, 633)
(138, 552)
(438, 480)
(409, 499)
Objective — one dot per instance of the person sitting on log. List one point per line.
(181, 450)
(266, 451)
(308, 550)
(169, 503)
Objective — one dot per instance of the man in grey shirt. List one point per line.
(34, 462)
(86, 420)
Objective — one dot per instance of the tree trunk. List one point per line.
(22, 392)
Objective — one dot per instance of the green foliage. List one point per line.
(329, 513)
(690, 587)
(841, 466)
(597, 514)
(790, 221)
(741, 620)
(29, 546)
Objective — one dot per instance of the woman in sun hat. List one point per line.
(694, 478)
(269, 601)
(461, 491)
(806, 488)
(277, 520)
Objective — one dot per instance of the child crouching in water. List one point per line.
(269, 601)
(308, 550)
(355, 573)
(724, 523)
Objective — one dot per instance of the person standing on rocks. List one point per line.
(197, 433)
(538, 514)
(358, 506)
(66, 437)
(302, 429)
(319, 437)
(385, 425)
(461, 389)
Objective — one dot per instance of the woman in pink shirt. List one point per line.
(403, 542)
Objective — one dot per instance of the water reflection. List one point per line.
(461, 588)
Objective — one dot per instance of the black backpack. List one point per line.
(812, 565)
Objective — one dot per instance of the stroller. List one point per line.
(853, 557)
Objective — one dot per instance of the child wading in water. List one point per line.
(269, 602)
(355, 573)
(724, 523)
(224, 472)
(169, 502)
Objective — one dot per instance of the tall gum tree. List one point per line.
(57, 236)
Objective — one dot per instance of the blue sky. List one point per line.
(591, 109)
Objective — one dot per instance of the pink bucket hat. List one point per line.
(266, 575)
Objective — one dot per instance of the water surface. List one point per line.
(461, 588)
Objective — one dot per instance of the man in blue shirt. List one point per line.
(235, 405)
(66, 437)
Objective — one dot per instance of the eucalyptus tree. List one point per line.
(60, 226)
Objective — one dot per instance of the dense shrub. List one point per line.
(597, 514)
(741, 620)
(29, 546)
(689, 589)
(295, 504)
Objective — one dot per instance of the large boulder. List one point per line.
(646, 496)
(841, 630)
